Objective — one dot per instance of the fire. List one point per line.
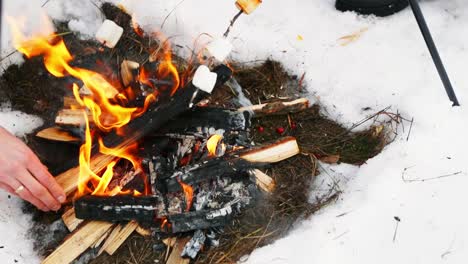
(188, 191)
(212, 144)
(107, 114)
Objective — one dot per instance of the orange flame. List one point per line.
(212, 144)
(188, 192)
(107, 115)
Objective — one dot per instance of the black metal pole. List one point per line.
(433, 50)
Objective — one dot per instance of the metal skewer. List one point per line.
(433, 50)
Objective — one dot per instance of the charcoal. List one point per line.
(208, 170)
(190, 221)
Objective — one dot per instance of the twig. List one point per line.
(234, 19)
(45, 3)
(428, 179)
(172, 11)
(411, 127)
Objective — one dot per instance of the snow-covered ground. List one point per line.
(388, 65)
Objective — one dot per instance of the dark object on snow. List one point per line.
(372, 7)
(433, 50)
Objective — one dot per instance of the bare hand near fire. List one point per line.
(22, 174)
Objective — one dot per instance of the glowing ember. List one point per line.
(188, 191)
(212, 144)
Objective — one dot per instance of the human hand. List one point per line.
(22, 174)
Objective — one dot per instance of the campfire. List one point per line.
(156, 156)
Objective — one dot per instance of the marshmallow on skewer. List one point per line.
(204, 79)
(219, 49)
(248, 6)
(109, 33)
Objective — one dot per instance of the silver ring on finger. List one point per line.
(19, 189)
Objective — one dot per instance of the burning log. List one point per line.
(233, 164)
(57, 134)
(205, 117)
(278, 108)
(184, 99)
(80, 240)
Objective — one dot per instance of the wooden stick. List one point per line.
(71, 117)
(110, 238)
(80, 240)
(264, 181)
(120, 238)
(99, 242)
(278, 108)
(143, 231)
(70, 220)
(69, 102)
(280, 150)
(57, 134)
(175, 257)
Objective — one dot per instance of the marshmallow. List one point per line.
(248, 6)
(219, 49)
(204, 79)
(109, 33)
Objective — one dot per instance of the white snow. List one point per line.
(219, 48)
(388, 65)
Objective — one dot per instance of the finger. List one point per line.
(41, 173)
(7, 188)
(37, 190)
(24, 194)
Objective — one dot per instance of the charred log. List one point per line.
(119, 208)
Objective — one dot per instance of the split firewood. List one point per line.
(156, 116)
(146, 232)
(278, 108)
(175, 257)
(263, 181)
(113, 234)
(120, 238)
(71, 117)
(57, 134)
(69, 102)
(244, 160)
(70, 220)
(101, 240)
(280, 150)
(78, 242)
(127, 72)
